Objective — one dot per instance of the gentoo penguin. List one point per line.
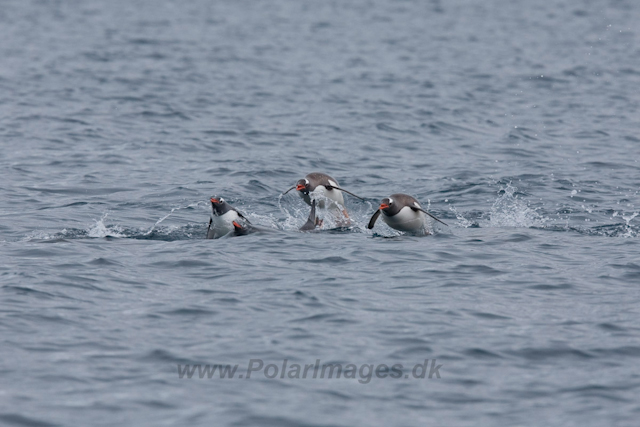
(404, 213)
(326, 190)
(225, 219)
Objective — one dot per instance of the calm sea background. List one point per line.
(516, 122)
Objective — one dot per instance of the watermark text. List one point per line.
(363, 373)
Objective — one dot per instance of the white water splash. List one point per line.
(510, 211)
(41, 235)
(292, 221)
(332, 217)
(630, 232)
(99, 229)
(461, 220)
(628, 219)
(192, 205)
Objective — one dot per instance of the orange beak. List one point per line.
(235, 224)
(383, 206)
(214, 200)
(300, 187)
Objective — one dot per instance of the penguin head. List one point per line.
(217, 204)
(303, 185)
(386, 204)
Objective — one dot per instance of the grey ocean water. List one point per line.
(516, 122)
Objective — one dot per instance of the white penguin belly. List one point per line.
(324, 197)
(406, 220)
(222, 224)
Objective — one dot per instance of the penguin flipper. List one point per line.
(373, 219)
(209, 231)
(288, 190)
(312, 221)
(242, 216)
(422, 210)
(331, 187)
